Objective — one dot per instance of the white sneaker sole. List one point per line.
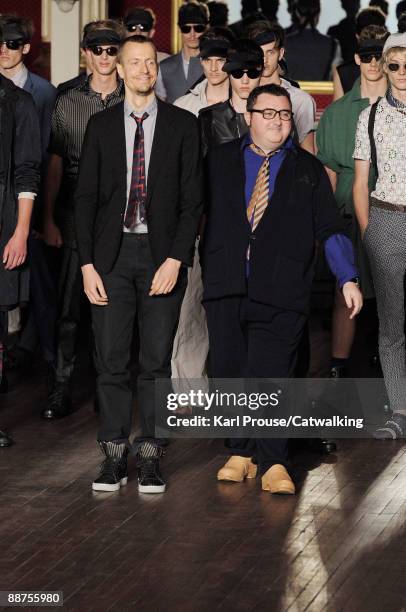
(101, 486)
(151, 488)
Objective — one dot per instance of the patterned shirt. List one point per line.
(390, 142)
(72, 112)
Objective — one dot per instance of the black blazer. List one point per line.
(174, 187)
(282, 247)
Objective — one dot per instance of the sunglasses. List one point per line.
(140, 26)
(13, 45)
(98, 50)
(186, 29)
(368, 57)
(395, 67)
(252, 73)
(270, 113)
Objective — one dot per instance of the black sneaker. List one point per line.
(394, 428)
(150, 479)
(59, 403)
(113, 470)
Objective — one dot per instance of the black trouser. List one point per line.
(70, 298)
(127, 287)
(252, 340)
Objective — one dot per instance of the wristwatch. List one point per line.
(354, 280)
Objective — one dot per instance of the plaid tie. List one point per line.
(138, 189)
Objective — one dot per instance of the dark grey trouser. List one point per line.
(385, 242)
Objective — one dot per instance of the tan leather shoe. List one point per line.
(277, 480)
(237, 469)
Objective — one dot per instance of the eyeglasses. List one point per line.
(13, 45)
(270, 113)
(368, 57)
(395, 67)
(186, 29)
(140, 26)
(252, 73)
(98, 50)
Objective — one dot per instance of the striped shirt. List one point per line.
(73, 110)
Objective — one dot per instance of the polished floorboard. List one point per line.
(338, 545)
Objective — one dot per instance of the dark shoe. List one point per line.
(5, 440)
(322, 445)
(59, 403)
(394, 428)
(113, 470)
(338, 372)
(150, 479)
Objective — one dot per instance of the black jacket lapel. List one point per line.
(160, 146)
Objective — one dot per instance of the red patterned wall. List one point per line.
(161, 8)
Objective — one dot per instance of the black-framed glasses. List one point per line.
(13, 45)
(186, 29)
(144, 27)
(252, 73)
(98, 50)
(394, 66)
(367, 58)
(270, 113)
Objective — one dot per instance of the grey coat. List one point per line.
(173, 76)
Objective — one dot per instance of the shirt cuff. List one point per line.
(29, 195)
(341, 258)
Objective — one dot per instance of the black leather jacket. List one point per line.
(219, 124)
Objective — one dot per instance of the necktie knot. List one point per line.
(139, 120)
(262, 153)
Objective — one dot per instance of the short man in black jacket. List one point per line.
(138, 204)
(258, 261)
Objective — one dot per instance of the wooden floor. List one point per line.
(339, 544)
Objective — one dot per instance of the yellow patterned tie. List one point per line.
(260, 195)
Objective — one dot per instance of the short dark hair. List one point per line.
(24, 25)
(264, 27)
(400, 8)
(373, 32)
(136, 38)
(382, 4)
(218, 32)
(369, 16)
(272, 89)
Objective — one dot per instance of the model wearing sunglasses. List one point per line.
(186, 29)
(394, 66)
(252, 73)
(270, 113)
(98, 50)
(368, 57)
(143, 27)
(13, 45)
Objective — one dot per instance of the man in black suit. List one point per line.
(137, 207)
(269, 202)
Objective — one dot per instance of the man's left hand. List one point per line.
(165, 277)
(353, 298)
(15, 251)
